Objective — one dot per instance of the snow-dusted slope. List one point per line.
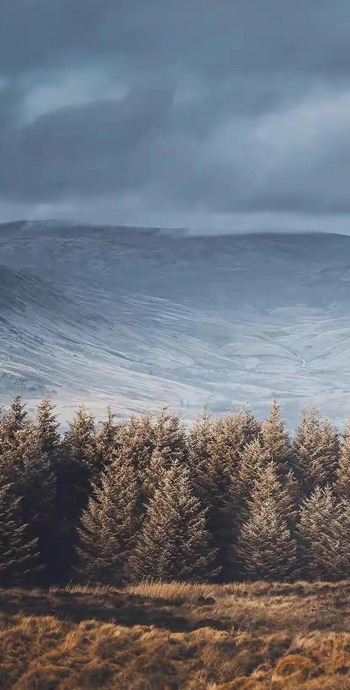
(144, 318)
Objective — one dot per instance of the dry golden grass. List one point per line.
(171, 636)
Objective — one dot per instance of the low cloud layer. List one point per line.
(229, 115)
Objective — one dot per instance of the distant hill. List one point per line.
(140, 318)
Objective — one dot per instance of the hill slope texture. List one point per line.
(143, 318)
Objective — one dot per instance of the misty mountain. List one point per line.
(142, 318)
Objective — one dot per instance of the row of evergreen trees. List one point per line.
(225, 499)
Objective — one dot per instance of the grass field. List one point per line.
(169, 636)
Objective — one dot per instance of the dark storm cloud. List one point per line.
(190, 106)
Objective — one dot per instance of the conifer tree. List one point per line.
(32, 479)
(342, 482)
(276, 439)
(268, 485)
(79, 465)
(230, 436)
(324, 532)
(136, 442)
(200, 438)
(173, 543)
(170, 445)
(80, 439)
(200, 443)
(218, 495)
(19, 562)
(78, 469)
(107, 442)
(50, 528)
(26, 467)
(170, 438)
(13, 422)
(109, 526)
(47, 426)
(316, 451)
(215, 487)
(266, 546)
(252, 460)
(153, 476)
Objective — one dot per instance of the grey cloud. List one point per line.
(223, 106)
(210, 37)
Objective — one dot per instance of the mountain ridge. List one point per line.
(139, 320)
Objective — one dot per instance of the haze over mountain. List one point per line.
(144, 318)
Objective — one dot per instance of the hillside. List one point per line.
(191, 637)
(143, 318)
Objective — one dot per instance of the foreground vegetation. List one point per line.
(223, 500)
(177, 636)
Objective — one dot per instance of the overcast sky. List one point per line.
(221, 114)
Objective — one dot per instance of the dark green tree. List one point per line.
(77, 470)
(19, 562)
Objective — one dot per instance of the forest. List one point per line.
(149, 498)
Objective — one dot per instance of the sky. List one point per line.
(209, 114)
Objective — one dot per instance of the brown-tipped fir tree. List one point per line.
(19, 557)
(109, 527)
(342, 481)
(324, 534)
(174, 543)
(276, 440)
(316, 450)
(266, 547)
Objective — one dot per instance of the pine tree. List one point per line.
(200, 442)
(230, 436)
(252, 460)
(173, 543)
(80, 440)
(18, 553)
(266, 546)
(276, 439)
(170, 445)
(215, 453)
(136, 442)
(215, 487)
(77, 470)
(107, 442)
(47, 426)
(200, 438)
(324, 533)
(50, 529)
(316, 451)
(153, 476)
(170, 438)
(13, 421)
(26, 467)
(109, 526)
(342, 483)
(79, 467)
(219, 498)
(218, 480)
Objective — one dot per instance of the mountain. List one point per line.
(141, 318)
